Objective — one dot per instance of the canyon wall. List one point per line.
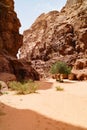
(10, 39)
(10, 42)
(57, 36)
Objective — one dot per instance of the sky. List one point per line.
(28, 10)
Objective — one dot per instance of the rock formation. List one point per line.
(80, 69)
(3, 87)
(57, 36)
(10, 39)
(10, 42)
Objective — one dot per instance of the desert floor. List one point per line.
(48, 109)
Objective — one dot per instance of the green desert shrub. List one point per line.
(23, 87)
(60, 68)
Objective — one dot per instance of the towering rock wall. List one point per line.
(10, 39)
(57, 36)
(10, 42)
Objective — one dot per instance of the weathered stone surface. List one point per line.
(10, 39)
(73, 2)
(10, 42)
(80, 64)
(13, 69)
(57, 36)
(80, 69)
(72, 76)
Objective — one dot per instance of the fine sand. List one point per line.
(48, 109)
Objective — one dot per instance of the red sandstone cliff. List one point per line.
(10, 39)
(57, 36)
(10, 42)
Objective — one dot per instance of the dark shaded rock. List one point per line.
(23, 70)
(13, 69)
(72, 76)
(10, 41)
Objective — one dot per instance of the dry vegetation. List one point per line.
(23, 87)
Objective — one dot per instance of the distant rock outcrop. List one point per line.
(57, 36)
(80, 69)
(10, 42)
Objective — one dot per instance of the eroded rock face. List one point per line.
(73, 2)
(10, 42)
(57, 36)
(10, 39)
(13, 69)
(80, 69)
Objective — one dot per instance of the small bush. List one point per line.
(58, 88)
(23, 87)
(60, 68)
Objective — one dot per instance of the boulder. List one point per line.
(7, 77)
(80, 69)
(3, 87)
(14, 69)
(72, 76)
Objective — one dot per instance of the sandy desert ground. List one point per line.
(46, 110)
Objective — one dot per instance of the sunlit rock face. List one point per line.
(57, 36)
(10, 42)
(70, 3)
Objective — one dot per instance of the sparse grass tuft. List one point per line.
(23, 87)
(58, 88)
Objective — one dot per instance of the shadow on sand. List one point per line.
(19, 119)
(67, 81)
(43, 85)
